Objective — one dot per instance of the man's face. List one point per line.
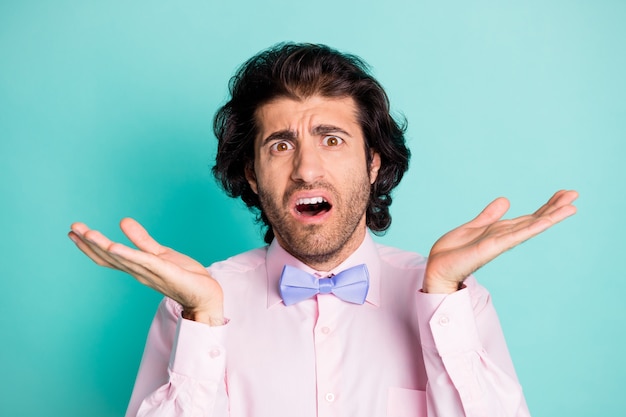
(310, 172)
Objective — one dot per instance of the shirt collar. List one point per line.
(366, 253)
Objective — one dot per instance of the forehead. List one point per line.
(303, 115)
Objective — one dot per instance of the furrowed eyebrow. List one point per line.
(280, 135)
(320, 130)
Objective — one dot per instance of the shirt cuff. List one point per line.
(198, 351)
(447, 323)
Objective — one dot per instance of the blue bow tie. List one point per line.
(350, 285)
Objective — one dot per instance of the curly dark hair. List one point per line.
(298, 71)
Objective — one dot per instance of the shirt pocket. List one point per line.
(402, 402)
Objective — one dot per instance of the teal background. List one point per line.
(105, 112)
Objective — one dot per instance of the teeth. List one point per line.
(313, 200)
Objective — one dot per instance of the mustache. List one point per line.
(318, 185)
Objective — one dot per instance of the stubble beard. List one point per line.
(325, 243)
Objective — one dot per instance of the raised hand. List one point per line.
(173, 274)
(462, 251)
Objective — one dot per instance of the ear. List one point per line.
(374, 166)
(251, 176)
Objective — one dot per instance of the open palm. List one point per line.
(173, 274)
(463, 250)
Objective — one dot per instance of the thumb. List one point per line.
(492, 213)
(139, 236)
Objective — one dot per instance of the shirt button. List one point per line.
(330, 397)
(444, 321)
(214, 353)
(325, 330)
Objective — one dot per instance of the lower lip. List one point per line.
(318, 218)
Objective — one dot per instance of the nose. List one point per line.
(308, 165)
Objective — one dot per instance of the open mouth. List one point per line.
(311, 207)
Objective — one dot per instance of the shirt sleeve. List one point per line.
(469, 369)
(182, 372)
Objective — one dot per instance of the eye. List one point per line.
(332, 141)
(281, 146)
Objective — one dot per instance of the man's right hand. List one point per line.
(173, 274)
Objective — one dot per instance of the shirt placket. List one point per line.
(328, 355)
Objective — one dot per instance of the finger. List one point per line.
(555, 210)
(567, 198)
(523, 228)
(78, 235)
(79, 228)
(87, 250)
(139, 236)
(164, 276)
(127, 259)
(99, 245)
(148, 261)
(96, 242)
(95, 249)
(139, 272)
(150, 270)
(491, 214)
(559, 199)
(558, 214)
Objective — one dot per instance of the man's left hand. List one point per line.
(459, 253)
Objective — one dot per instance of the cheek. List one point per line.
(270, 182)
(273, 171)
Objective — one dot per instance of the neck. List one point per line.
(328, 261)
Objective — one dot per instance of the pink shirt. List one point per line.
(401, 353)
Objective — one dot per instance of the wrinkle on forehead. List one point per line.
(284, 117)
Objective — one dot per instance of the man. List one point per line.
(322, 321)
